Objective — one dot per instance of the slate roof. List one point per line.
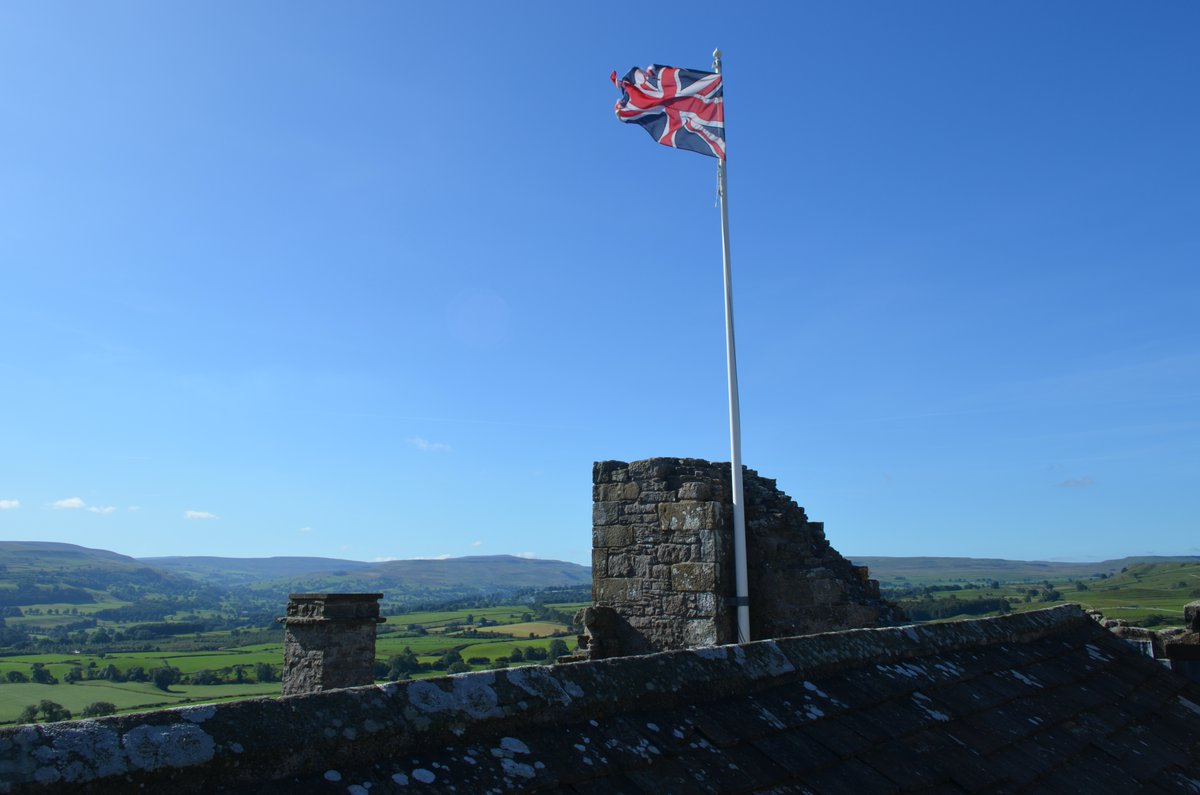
(1039, 702)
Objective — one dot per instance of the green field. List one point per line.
(125, 695)
(429, 619)
(502, 648)
(1148, 594)
(542, 629)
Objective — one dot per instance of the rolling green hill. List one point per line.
(46, 573)
(929, 570)
(242, 571)
(478, 574)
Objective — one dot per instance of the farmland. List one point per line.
(1147, 594)
(84, 630)
(471, 638)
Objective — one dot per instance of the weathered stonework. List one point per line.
(329, 641)
(1045, 702)
(662, 562)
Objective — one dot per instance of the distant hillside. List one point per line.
(433, 580)
(34, 572)
(241, 571)
(927, 570)
(472, 572)
(38, 572)
(38, 555)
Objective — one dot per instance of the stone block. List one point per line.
(700, 632)
(605, 513)
(619, 589)
(675, 553)
(599, 562)
(826, 590)
(696, 490)
(628, 564)
(612, 536)
(650, 497)
(693, 577)
(687, 515)
(644, 513)
(616, 492)
(651, 469)
(602, 471)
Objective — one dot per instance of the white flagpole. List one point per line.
(735, 420)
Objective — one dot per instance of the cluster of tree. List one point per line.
(1047, 593)
(458, 599)
(166, 675)
(929, 609)
(400, 666)
(918, 591)
(140, 611)
(44, 711)
(556, 649)
(164, 629)
(29, 593)
(37, 611)
(234, 675)
(404, 665)
(48, 711)
(12, 636)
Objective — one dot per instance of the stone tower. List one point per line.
(662, 562)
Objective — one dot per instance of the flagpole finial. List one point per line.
(717, 59)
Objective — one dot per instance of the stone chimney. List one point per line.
(329, 641)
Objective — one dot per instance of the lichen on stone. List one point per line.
(176, 745)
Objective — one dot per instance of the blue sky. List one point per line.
(382, 280)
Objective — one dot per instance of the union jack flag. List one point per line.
(682, 108)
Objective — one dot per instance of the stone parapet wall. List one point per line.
(662, 562)
(244, 746)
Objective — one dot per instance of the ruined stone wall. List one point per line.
(662, 562)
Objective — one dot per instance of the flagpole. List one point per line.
(742, 598)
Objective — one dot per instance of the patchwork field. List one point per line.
(430, 635)
(540, 629)
(1148, 594)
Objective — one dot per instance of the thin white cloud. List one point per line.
(9, 505)
(383, 560)
(102, 508)
(527, 555)
(426, 446)
(70, 502)
(306, 529)
(1077, 483)
(434, 557)
(204, 515)
(476, 543)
